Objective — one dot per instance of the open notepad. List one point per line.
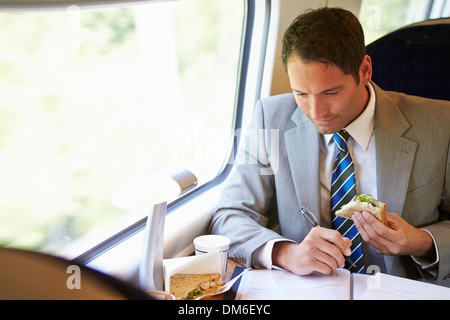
(283, 285)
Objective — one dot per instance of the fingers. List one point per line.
(336, 239)
(322, 251)
(369, 224)
(397, 238)
(349, 244)
(373, 231)
(326, 249)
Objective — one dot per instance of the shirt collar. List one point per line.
(361, 128)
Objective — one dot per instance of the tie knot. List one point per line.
(341, 139)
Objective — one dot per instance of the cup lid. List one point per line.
(211, 241)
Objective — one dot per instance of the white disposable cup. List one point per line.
(212, 243)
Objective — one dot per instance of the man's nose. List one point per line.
(317, 108)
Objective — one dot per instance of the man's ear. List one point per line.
(365, 70)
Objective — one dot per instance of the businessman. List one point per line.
(398, 145)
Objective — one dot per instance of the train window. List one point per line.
(90, 97)
(380, 17)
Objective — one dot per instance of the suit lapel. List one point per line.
(395, 156)
(302, 145)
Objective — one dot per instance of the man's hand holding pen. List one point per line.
(323, 250)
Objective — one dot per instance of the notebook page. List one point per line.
(284, 285)
(387, 287)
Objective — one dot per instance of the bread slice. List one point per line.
(364, 202)
(191, 286)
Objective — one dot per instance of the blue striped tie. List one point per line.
(343, 190)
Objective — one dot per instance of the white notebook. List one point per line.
(258, 284)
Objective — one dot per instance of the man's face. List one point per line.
(330, 98)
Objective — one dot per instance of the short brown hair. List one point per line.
(328, 35)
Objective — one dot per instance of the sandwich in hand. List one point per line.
(364, 202)
(192, 286)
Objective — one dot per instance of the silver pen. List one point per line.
(312, 219)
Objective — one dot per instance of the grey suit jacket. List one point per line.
(277, 172)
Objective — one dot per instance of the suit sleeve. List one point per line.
(441, 231)
(242, 213)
